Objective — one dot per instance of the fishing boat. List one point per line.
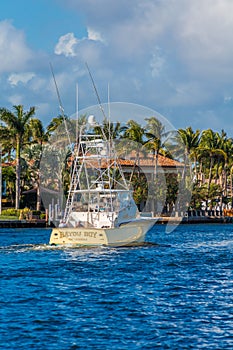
(100, 209)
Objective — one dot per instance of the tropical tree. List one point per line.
(8, 175)
(231, 180)
(189, 142)
(55, 123)
(64, 130)
(133, 134)
(154, 132)
(32, 154)
(201, 192)
(226, 144)
(36, 133)
(110, 130)
(210, 149)
(7, 141)
(16, 123)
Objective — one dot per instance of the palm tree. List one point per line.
(32, 154)
(189, 145)
(16, 123)
(64, 131)
(155, 132)
(134, 134)
(8, 175)
(231, 180)
(55, 123)
(36, 132)
(226, 144)
(7, 140)
(209, 148)
(111, 130)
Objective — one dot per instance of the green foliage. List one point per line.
(200, 194)
(140, 187)
(172, 189)
(109, 129)
(208, 155)
(11, 212)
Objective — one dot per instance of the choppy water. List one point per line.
(174, 295)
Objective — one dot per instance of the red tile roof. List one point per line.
(144, 160)
(149, 160)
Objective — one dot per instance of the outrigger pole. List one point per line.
(60, 103)
(96, 92)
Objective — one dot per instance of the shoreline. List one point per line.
(171, 220)
(23, 224)
(194, 220)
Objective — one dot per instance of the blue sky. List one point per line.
(172, 56)
(43, 21)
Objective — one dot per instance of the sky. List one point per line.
(171, 56)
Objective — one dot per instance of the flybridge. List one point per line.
(92, 181)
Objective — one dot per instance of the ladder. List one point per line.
(71, 193)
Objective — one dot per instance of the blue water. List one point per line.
(175, 294)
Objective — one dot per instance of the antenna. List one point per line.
(60, 103)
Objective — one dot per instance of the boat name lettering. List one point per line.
(90, 234)
(78, 233)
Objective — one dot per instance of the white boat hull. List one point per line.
(126, 234)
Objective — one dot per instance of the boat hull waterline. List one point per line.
(126, 234)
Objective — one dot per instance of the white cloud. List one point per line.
(204, 37)
(16, 78)
(66, 45)
(69, 46)
(14, 53)
(94, 35)
(197, 33)
(174, 54)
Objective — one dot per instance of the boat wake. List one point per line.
(23, 248)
